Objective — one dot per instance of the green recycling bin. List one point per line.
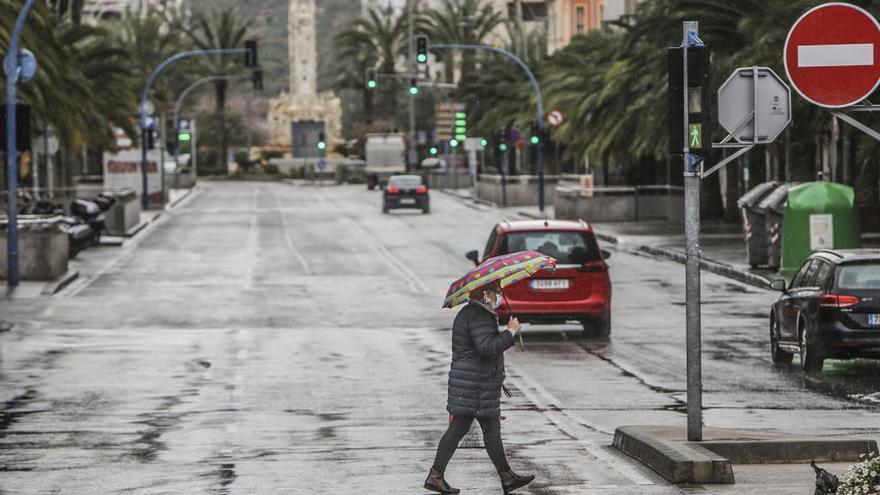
(818, 215)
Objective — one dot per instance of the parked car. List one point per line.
(405, 191)
(830, 310)
(580, 288)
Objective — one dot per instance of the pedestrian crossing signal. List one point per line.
(184, 137)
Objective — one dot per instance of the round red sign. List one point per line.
(831, 55)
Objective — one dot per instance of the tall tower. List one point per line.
(302, 49)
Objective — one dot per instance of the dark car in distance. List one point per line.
(579, 290)
(405, 191)
(831, 310)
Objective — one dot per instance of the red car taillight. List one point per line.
(594, 267)
(392, 190)
(836, 301)
(422, 190)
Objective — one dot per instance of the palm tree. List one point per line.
(465, 22)
(220, 30)
(376, 40)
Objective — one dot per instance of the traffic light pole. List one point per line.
(11, 152)
(539, 110)
(145, 196)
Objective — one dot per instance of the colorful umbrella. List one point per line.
(506, 270)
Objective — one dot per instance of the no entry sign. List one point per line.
(831, 55)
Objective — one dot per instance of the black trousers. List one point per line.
(458, 427)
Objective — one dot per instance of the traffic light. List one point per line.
(460, 126)
(22, 127)
(149, 138)
(484, 142)
(422, 49)
(433, 151)
(184, 136)
(250, 55)
(535, 134)
(501, 139)
(371, 78)
(453, 143)
(322, 141)
(413, 86)
(699, 103)
(257, 80)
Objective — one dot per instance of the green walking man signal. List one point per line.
(695, 133)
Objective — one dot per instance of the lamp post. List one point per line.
(13, 69)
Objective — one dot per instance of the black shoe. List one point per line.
(435, 483)
(510, 481)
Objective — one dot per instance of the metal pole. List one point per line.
(194, 149)
(11, 152)
(150, 80)
(692, 183)
(504, 164)
(411, 149)
(162, 140)
(539, 104)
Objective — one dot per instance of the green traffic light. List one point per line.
(433, 150)
(422, 58)
(535, 139)
(483, 142)
(322, 145)
(453, 143)
(371, 84)
(413, 90)
(460, 115)
(461, 123)
(502, 146)
(184, 136)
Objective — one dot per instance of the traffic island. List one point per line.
(666, 450)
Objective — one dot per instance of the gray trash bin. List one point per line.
(774, 211)
(753, 222)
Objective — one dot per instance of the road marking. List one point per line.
(415, 283)
(846, 55)
(296, 252)
(551, 407)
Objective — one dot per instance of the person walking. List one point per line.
(476, 377)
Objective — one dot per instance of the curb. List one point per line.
(666, 451)
(57, 285)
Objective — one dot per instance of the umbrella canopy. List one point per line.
(506, 270)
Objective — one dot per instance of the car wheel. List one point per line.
(811, 358)
(426, 209)
(779, 356)
(597, 327)
(385, 209)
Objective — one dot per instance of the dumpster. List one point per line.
(774, 213)
(818, 215)
(753, 223)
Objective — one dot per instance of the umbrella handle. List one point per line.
(522, 346)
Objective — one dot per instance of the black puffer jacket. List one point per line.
(477, 370)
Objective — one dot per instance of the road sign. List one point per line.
(321, 165)
(445, 119)
(754, 100)
(555, 118)
(830, 55)
(147, 107)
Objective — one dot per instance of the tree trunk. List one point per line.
(867, 190)
(220, 111)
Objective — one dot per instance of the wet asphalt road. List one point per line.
(272, 338)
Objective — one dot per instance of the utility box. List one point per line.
(774, 212)
(818, 215)
(754, 222)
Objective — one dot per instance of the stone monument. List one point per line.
(303, 104)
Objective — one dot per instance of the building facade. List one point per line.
(95, 11)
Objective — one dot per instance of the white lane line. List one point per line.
(845, 55)
(287, 238)
(551, 407)
(412, 280)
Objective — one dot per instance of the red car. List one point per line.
(580, 288)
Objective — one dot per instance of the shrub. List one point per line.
(862, 478)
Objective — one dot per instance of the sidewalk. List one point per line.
(39, 288)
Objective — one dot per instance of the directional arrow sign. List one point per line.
(831, 55)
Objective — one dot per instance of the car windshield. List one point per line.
(859, 276)
(405, 181)
(568, 248)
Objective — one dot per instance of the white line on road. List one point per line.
(296, 252)
(541, 398)
(845, 55)
(415, 283)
